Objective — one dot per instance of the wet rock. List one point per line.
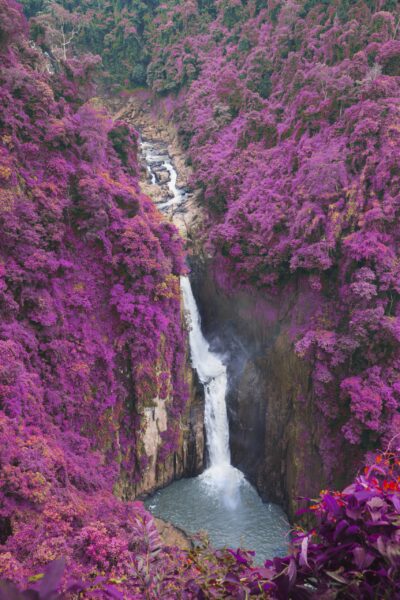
(186, 461)
(166, 192)
(181, 210)
(173, 536)
(156, 165)
(162, 176)
(276, 430)
(247, 411)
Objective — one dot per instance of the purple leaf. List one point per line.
(231, 578)
(362, 558)
(340, 529)
(51, 581)
(395, 499)
(331, 504)
(292, 572)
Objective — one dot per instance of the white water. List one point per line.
(157, 156)
(220, 474)
(212, 374)
(220, 500)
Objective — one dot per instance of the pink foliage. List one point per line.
(293, 129)
(90, 319)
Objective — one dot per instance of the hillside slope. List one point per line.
(291, 118)
(90, 328)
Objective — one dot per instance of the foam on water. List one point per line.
(236, 518)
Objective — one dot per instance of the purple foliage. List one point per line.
(293, 128)
(292, 124)
(351, 553)
(90, 328)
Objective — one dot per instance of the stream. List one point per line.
(220, 501)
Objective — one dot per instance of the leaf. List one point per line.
(231, 578)
(331, 504)
(52, 578)
(363, 495)
(362, 558)
(304, 552)
(37, 577)
(292, 572)
(337, 576)
(396, 502)
(341, 527)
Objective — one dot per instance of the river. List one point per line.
(220, 501)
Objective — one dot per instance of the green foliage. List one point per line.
(32, 7)
(265, 85)
(232, 14)
(113, 29)
(207, 6)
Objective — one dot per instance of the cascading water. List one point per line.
(212, 374)
(220, 475)
(158, 161)
(220, 500)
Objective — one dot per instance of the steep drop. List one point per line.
(212, 374)
(220, 475)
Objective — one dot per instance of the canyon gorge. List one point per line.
(199, 296)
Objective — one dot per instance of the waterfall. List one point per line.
(220, 476)
(212, 374)
(220, 499)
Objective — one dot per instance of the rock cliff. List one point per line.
(188, 459)
(276, 430)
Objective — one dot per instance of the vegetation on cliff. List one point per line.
(290, 115)
(352, 553)
(90, 325)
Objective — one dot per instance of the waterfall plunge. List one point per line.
(220, 475)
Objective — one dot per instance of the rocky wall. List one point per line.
(275, 427)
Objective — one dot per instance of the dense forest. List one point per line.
(288, 114)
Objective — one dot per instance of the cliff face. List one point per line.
(276, 430)
(291, 466)
(274, 425)
(288, 112)
(188, 458)
(290, 118)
